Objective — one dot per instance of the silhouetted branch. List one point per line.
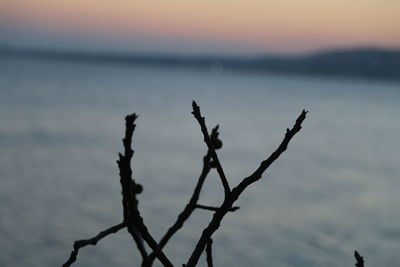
(91, 241)
(129, 200)
(359, 259)
(211, 147)
(232, 196)
(134, 222)
(131, 213)
(233, 209)
(266, 163)
(190, 207)
(209, 253)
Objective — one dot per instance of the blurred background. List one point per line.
(71, 70)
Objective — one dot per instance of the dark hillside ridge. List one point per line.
(363, 63)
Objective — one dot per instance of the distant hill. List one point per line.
(368, 63)
(363, 63)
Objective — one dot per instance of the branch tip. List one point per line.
(131, 117)
(195, 107)
(359, 259)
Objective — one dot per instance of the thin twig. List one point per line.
(203, 207)
(189, 208)
(266, 163)
(235, 193)
(130, 126)
(359, 259)
(128, 184)
(91, 241)
(131, 212)
(209, 253)
(197, 114)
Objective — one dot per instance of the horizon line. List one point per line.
(124, 53)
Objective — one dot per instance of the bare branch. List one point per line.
(131, 213)
(130, 126)
(129, 187)
(209, 253)
(235, 193)
(190, 207)
(266, 163)
(233, 209)
(91, 241)
(134, 222)
(359, 259)
(197, 114)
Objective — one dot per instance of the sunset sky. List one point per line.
(217, 26)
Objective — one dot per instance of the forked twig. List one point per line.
(190, 207)
(196, 113)
(233, 195)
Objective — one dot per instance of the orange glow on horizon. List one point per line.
(279, 26)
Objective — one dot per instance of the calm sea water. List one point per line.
(334, 190)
